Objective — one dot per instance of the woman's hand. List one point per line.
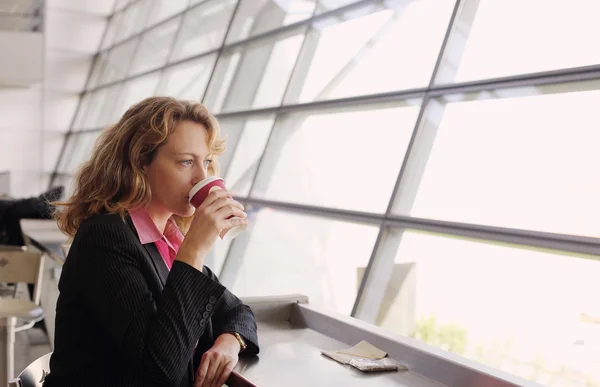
(218, 362)
(218, 212)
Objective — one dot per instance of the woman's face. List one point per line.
(177, 166)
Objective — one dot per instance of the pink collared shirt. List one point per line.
(167, 244)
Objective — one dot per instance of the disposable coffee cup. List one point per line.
(200, 192)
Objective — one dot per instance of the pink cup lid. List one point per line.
(201, 184)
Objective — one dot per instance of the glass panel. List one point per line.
(81, 112)
(97, 71)
(65, 157)
(81, 150)
(203, 29)
(329, 5)
(133, 92)
(254, 75)
(531, 44)
(246, 152)
(371, 50)
(154, 47)
(529, 312)
(111, 31)
(258, 16)
(163, 9)
(316, 257)
(120, 4)
(520, 158)
(119, 61)
(92, 116)
(134, 19)
(216, 256)
(187, 80)
(328, 152)
(105, 117)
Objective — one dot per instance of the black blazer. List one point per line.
(122, 319)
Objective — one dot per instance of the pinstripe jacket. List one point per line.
(122, 319)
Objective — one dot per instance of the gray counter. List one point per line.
(292, 334)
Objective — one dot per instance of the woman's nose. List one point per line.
(198, 177)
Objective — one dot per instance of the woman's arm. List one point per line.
(159, 338)
(234, 316)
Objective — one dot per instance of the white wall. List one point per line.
(22, 54)
(34, 118)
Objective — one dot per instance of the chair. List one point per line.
(34, 374)
(9, 290)
(18, 267)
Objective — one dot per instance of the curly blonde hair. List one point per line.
(113, 180)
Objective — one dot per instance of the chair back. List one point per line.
(12, 248)
(22, 266)
(34, 374)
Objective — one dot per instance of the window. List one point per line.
(529, 312)
(133, 20)
(111, 30)
(154, 47)
(203, 29)
(533, 43)
(259, 16)
(163, 9)
(133, 92)
(371, 50)
(78, 149)
(118, 62)
(347, 158)
(187, 80)
(521, 158)
(246, 141)
(317, 257)
(254, 75)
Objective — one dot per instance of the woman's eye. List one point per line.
(186, 162)
(207, 163)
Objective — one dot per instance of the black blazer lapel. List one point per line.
(152, 252)
(158, 262)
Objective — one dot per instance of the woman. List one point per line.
(137, 306)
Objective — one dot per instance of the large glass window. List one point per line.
(112, 30)
(254, 75)
(118, 62)
(163, 9)
(502, 38)
(97, 71)
(258, 16)
(96, 106)
(246, 141)
(134, 19)
(329, 5)
(155, 46)
(371, 50)
(78, 149)
(529, 312)
(203, 29)
(133, 92)
(347, 158)
(307, 255)
(187, 80)
(519, 158)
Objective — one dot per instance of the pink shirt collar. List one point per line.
(149, 233)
